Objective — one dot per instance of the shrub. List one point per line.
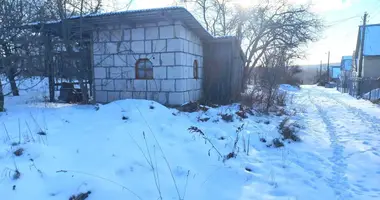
(252, 98)
(242, 114)
(283, 123)
(289, 133)
(288, 130)
(229, 156)
(227, 117)
(189, 107)
(277, 143)
(264, 99)
(281, 98)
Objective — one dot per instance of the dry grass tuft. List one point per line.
(81, 196)
(16, 175)
(194, 129)
(41, 133)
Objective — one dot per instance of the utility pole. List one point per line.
(362, 45)
(361, 56)
(328, 66)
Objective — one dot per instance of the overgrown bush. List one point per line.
(227, 117)
(277, 143)
(288, 130)
(264, 101)
(281, 98)
(264, 92)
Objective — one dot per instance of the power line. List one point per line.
(342, 20)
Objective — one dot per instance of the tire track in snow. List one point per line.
(367, 119)
(367, 134)
(370, 120)
(338, 182)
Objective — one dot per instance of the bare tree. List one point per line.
(218, 16)
(13, 15)
(277, 23)
(14, 41)
(70, 46)
(260, 27)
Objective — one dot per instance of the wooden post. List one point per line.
(361, 56)
(320, 71)
(362, 46)
(328, 67)
(1, 98)
(49, 66)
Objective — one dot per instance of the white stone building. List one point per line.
(155, 54)
(158, 60)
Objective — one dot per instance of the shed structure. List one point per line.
(161, 54)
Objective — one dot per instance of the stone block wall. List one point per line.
(171, 47)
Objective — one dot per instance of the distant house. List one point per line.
(335, 72)
(358, 81)
(371, 51)
(346, 63)
(161, 54)
(345, 74)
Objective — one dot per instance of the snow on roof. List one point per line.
(371, 40)
(110, 13)
(173, 13)
(346, 57)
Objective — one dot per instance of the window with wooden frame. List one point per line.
(195, 69)
(144, 69)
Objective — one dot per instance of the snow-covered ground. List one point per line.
(137, 149)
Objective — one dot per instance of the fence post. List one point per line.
(49, 65)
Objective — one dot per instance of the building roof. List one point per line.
(132, 17)
(371, 40)
(346, 57)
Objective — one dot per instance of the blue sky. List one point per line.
(344, 16)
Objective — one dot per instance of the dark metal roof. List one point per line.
(132, 17)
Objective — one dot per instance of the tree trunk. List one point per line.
(11, 77)
(84, 90)
(1, 98)
(11, 72)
